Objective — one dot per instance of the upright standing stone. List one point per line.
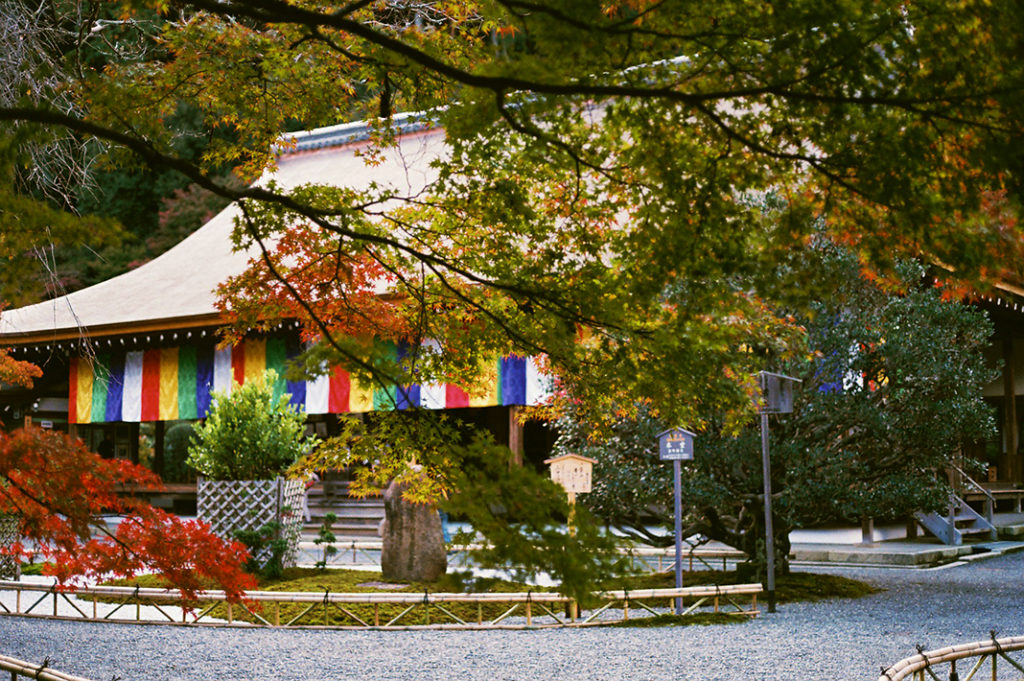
(413, 543)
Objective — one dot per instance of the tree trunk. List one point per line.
(413, 544)
(754, 544)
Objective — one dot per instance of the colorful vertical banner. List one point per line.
(165, 384)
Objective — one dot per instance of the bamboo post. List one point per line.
(479, 612)
(277, 614)
(376, 614)
(17, 600)
(529, 618)
(94, 611)
(54, 602)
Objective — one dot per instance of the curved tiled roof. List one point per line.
(177, 288)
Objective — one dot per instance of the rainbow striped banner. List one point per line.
(167, 384)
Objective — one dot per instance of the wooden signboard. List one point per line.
(573, 472)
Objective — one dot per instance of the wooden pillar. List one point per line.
(911, 527)
(515, 435)
(133, 442)
(1010, 434)
(158, 448)
(867, 530)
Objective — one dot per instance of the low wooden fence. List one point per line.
(25, 670)
(989, 659)
(532, 609)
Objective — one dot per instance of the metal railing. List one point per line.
(26, 670)
(361, 610)
(989, 659)
(367, 552)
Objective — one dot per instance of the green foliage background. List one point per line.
(892, 387)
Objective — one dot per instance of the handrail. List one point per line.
(312, 551)
(28, 670)
(993, 649)
(977, 485)
(376, 544)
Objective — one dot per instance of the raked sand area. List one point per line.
(844, 640)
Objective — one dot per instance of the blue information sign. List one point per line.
(675, 444)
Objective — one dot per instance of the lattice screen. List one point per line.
(234, 505)
(10, 533)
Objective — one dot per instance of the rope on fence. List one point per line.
(42, 672)
(924, 661)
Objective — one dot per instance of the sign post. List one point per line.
(676, 445)
(776, 398)
(573, 472)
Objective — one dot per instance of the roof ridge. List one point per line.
(347, 133)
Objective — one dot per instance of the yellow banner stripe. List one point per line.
(168, 384)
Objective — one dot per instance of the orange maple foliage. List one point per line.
(61, 490)
(316, 281)
(17, 372)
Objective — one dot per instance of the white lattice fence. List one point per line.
(10, 534)
(233, 505)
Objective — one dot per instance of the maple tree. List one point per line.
(61, 491)
(595, 154)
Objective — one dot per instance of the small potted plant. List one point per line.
(241, 452)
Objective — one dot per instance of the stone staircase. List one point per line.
(357, 518)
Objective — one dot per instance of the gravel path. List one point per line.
(846, 640)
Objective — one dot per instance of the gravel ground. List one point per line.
(846, 640)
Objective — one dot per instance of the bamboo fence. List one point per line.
(19, 668)
(985, 660)
(432, 610)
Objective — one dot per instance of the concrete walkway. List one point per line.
(820, 546)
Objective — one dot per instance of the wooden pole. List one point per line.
(158, 447)
(515, 435)
(1010, 435)
(572, 513)
(677, 489)
(769, 534)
